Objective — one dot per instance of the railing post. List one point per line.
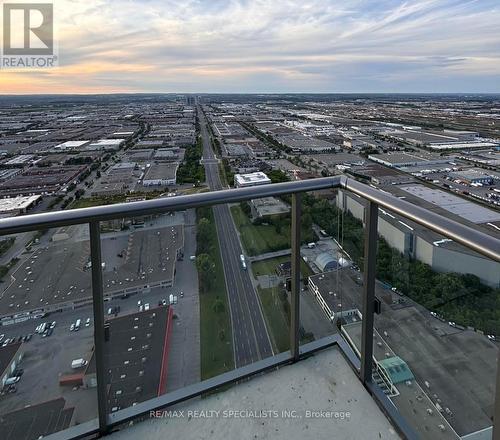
(370, 262)
(99, 332)
(496, 413)
(295, 281)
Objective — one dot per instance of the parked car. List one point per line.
(72, 327)
(53, 324)
(146, 306)
(18, 372)
(87, 322)
(12, 380)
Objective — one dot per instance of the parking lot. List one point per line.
(59, 274)
(48, 358)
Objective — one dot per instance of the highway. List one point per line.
(250, 337)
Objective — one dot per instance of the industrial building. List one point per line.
(17, 205)
(137, 357)
(105, 145)
(268, 207)
(252, 179)
(475, 175)
(402, 159)
(161, 174)
(332, 302)
(41, 180)
(424, 245)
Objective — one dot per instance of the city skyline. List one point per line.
(269, 47)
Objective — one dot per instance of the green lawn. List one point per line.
(277, 317)
(276, 310)
(259, 239)
(215, 326)
(6, 244)
(266, 267)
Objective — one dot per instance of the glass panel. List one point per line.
(435, 344)
(331, 261)
(47, 336)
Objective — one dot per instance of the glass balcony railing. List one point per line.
(156, 302)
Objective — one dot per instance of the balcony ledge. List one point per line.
(275, 405)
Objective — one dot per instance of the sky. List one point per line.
(269, 46)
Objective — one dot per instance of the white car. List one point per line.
(146, 306)
(87, 322)
(72, 327)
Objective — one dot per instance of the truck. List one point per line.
(78, 363)
(171, 299)
(77, 324)
(243, 262)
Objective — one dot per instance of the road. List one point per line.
(250, 337)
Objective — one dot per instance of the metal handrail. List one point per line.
(478, 241)
(485, 244)
(69, 217)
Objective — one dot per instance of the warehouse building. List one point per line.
(137, 357)
(268, 207)
(105, 145)
(252, 179)
(401, 159)
(474, 175)
(410, 239)
(18, 205)
(332, 302)
(161, 174)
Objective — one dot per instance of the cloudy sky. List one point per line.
(260, 46)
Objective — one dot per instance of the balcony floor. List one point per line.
(324, 382)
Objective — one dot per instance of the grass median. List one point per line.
(215, 321)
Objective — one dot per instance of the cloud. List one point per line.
(271, 45)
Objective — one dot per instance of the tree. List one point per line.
(218, 306)
(206, 269)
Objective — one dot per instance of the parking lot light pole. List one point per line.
(99, 331)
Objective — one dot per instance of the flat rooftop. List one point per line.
(36, 421)
(134, 356)
(323, 382)
(251, 179)
(148, 258)
(459, 366)
(468, 210)
(163, 171)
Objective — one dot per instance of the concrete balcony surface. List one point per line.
(275, 405)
